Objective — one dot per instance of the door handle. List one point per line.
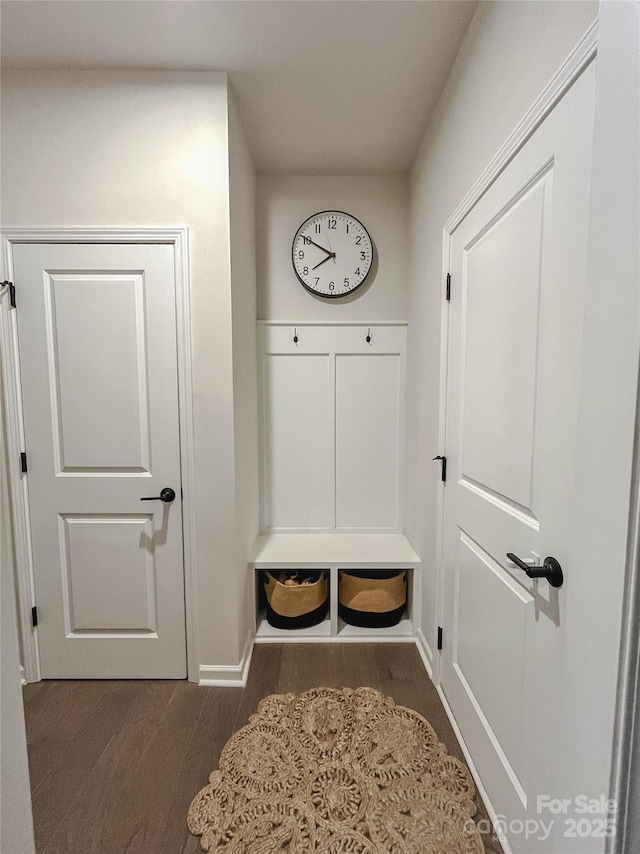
(167, 495)
(550, 569)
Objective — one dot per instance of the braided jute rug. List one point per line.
(336, 771)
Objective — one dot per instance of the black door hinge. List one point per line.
(443, 471)
(23, 463)
(34, 616)
(439, 637)
(448, 287)
(12, 292)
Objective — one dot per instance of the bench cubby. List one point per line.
(336, 552)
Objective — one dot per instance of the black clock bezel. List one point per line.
(308, 287)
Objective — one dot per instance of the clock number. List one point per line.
(346, 283)
(317, 228)
(317, 280)
(307, 240)
(362, 256)
(332, 223)
(332, 286)
(305, 271)
(347, 228)
(301, 254)
(358, 240)
(357, 272)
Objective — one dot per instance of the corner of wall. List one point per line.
(242, 210)
(228, 675)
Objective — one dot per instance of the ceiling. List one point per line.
(323, 86)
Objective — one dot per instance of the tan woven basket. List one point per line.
(298, 599)
(375, 595)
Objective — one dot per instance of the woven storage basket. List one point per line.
(296, 606)
(372, 599)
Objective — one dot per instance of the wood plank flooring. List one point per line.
(114, 765)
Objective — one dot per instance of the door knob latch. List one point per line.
(550, 569)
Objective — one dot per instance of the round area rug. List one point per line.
(336, 771)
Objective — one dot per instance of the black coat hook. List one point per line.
(369, 336)
(295, 336)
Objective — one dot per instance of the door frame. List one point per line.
(178, 237)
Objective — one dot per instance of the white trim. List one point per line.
(332, 323)
(493, 816)
(579, 58)
(262, 433)
(442, 445)
(327, 639)
(228, 675)
(626, 740)
(178, 237)
(187, 449)
(91, 234)
(425, 652)
(18, 487)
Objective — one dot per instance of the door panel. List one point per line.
(97, 341)
(513, 368)
(96, 336)
(109, 580)
(491, 672)
(501, 294)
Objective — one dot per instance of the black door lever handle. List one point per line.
(167, 495)
(550, 569)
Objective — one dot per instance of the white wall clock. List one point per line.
(332, 254)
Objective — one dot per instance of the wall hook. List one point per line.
(295, 336)
(369, 336)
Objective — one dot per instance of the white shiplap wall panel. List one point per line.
(367, 440)
(332, 427)
(298, 441)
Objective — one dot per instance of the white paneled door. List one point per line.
(97, 342)
(518, 272)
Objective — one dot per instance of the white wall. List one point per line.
(380, 202)
(509, 54)
(16, 823)
(242, 198)
(127, 148)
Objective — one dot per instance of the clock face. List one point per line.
(332, 253)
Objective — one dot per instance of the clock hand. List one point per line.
(324, 260)
(330, 247)
(318, 245)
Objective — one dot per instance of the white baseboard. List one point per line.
(425, 652)
(228, 675)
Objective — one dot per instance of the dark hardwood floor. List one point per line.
(114, 765)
